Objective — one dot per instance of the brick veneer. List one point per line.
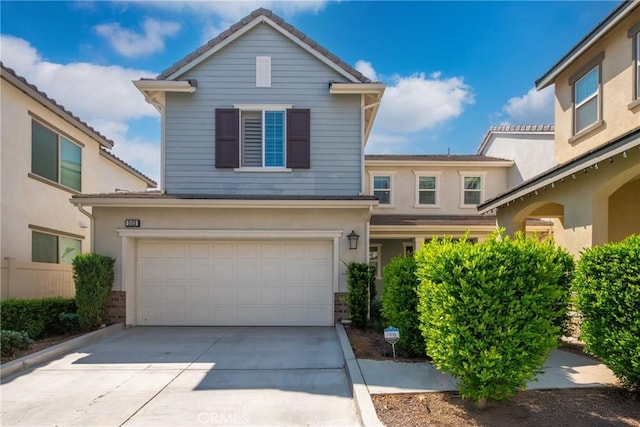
(117, 307)
(340, 308)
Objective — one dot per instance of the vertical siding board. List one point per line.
(228, 78)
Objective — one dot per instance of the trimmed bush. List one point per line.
(607, 285)
(12, 341)
(36, 317)
(361, 282)
(490, 312)
(70, 322)
(400, 304)
(93, 275)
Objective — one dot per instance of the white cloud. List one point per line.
(533, 108)
(102, 96)
(366, 68)
(386, 144)
(130, 44)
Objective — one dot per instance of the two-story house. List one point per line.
(593, 193)
(47, 154)
(263, 201)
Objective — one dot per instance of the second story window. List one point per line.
(427, 190)
(55, 157)
(382, 189)
(471, 190)
(587, 100)
(263, 139)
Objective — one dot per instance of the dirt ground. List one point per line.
(610, 406)
(38, 345)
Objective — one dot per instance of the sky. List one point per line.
(452, 68)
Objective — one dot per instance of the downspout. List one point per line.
(91, 225)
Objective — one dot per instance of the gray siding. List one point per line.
(228, 78)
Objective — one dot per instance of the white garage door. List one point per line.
(270, 283)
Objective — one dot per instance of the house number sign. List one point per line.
(392, 335)
(132, 223)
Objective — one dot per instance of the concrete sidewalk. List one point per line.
(562, 370)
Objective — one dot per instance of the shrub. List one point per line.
(490, 312)
(69, 322)
(12, 341)
(361, 282)
(36, 317)
(607, 285)
(400, 304)
(93, 276)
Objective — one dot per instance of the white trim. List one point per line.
(388, 174)
(378, 247)
(471, 174)
(355, 88)
(417, 175)
(227, 203)
(200, 234)
(263, 107)
(128, 272)
(164, 85)
(251, 24)
(405, 245)
(440, 163)
(263, 71)
(268, 169)
(336, 267)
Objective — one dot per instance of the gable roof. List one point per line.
(515, 129)
(126, 166)
(620, 12)
(245, 24)
(32, 90)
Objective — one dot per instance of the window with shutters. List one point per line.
(263, 138)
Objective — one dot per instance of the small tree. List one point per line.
(490, 313)
(607, 284)
(361, 284)
(93, 275)
(400, 304)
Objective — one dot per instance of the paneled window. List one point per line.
(587, 99)
(55, 157)
(382, 189)
(266, 138)
(375, 258)
(53, 249)
(471, 190)
(427, 187)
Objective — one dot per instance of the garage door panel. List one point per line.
(244, 283)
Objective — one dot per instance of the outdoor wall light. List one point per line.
(353, 239)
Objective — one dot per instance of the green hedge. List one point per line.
(361, 282)
(400, 304)
(93, 275)
(490, 312)
(607, 284)
(36, 317)
(12, 341)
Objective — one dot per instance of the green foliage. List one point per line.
(12, 341)
(361, 282)
(490, 312)
(607, 284)
(93, 275)
(36, 317)
(70, 322)
(400, 304)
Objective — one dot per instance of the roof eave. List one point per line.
(154, 90)
(150, 183)
(454, 163)
(356, 88)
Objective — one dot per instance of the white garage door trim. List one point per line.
(130, 237)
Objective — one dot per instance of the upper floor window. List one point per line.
(55, 157)
(52, 248)
(587, 99)
(263, 137)
(382, 188)
(471, 190)
(427, 190)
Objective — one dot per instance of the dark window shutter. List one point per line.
(227, 137)
(299, 138)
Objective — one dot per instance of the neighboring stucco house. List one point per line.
(529, 146)
(593, 193)
(263, 138)
(47, 155)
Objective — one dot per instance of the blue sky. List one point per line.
(452, 68)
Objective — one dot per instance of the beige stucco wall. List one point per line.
(617, 94)
(624, 211)
(588, 200)
(449, 187)
(109, 242)
(113, 177)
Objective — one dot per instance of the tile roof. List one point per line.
(433, 157)
(62, 111)
(163, 196)
(522, 128)
(244, 22)
(127, 166)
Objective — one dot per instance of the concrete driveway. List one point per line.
(188, 376)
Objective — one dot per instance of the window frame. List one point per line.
(405, 248)
(429, 174)
(634, 34)
(58, 235)
(593, 64)
(471, 174)
(383, 174)
(378, 247)
(61, 138)
(263, 108)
